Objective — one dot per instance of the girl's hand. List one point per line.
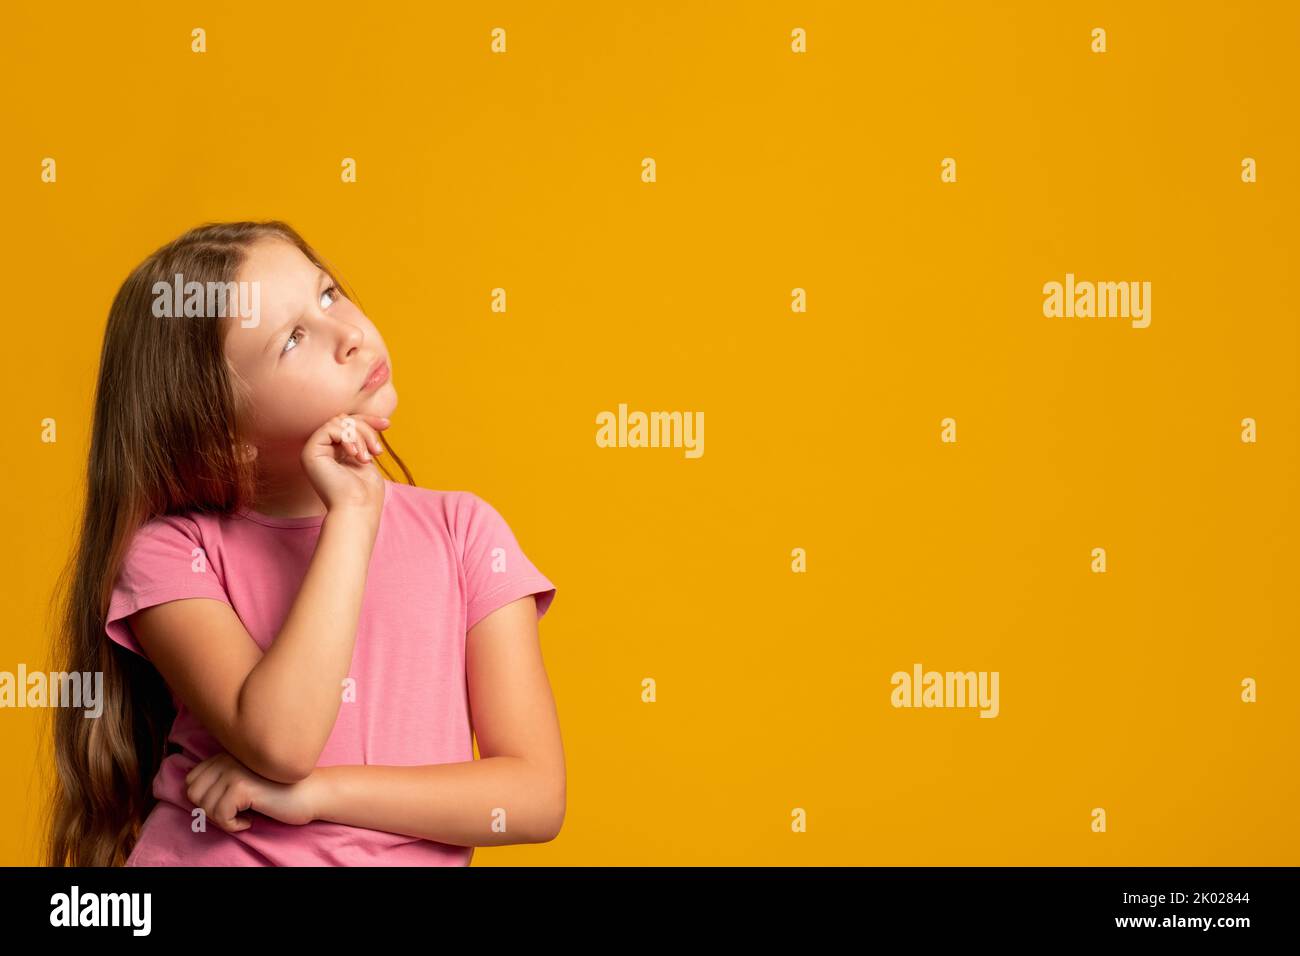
(339, 461)
(223, 787)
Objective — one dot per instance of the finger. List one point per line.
(200, 778)
(361, 446)
(362, 428)
(376, 421)
(214, 805)
(342, 437)
(330, 435)
(232, 801)
(359, 435)
(205, 795)
(343, 426)
(371, 438)
(336, 432)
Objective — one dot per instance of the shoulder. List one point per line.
(451, 505)
(164, 551)
(463, 516)
(174, 530)
(165, 559)
(412, 500)
(169, 541)
(450, 513)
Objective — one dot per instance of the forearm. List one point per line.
(290, 700)
(494, 801)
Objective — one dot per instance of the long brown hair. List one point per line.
(163, 441)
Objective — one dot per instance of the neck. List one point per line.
(286, 492)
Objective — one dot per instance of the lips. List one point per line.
(378, 376)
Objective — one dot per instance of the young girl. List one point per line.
(296, 650)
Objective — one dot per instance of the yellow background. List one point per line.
(775, 171)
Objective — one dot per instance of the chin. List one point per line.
(385, 401)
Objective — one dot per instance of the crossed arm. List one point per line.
(273, 713)
(514, 794)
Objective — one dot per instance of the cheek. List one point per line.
(374, 338)
(303, 396)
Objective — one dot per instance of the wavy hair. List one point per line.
(164, 440)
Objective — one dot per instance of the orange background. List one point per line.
(775, 171)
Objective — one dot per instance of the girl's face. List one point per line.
(308, 357)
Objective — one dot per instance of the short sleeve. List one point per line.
(164, 562)
(496, 569)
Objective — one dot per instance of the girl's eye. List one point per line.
(335, 294)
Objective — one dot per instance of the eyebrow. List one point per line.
(275, 336)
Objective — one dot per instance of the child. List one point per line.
(307, 635)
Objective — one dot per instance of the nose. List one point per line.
(350, 339)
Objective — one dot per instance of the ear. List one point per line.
(245, 452)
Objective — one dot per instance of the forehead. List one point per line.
(287, 282)
(280, 266)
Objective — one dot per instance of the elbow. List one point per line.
(551, 817)
(548, 829)
(291, 773)
(268, 750)
(291, 768)
(281, 764)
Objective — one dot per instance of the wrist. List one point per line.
(317, 793)
(354, 516)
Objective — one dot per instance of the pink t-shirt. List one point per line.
(442, 561)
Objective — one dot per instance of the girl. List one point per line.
(296, 649)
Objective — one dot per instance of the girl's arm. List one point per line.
(273, 711)
(291, 699)
(514, 794)
(490, 802)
